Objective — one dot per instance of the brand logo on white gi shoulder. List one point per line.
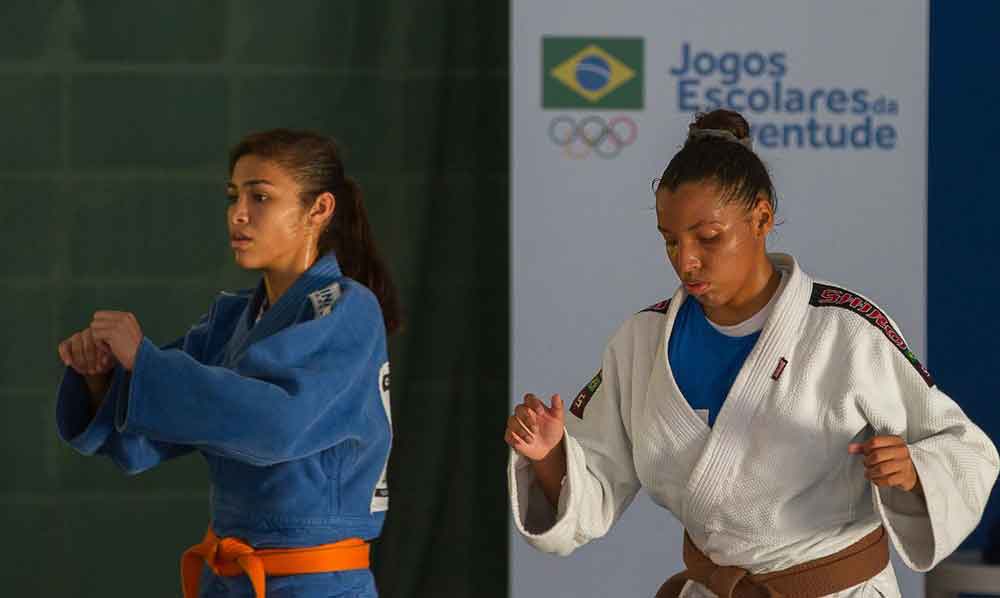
(830, 296)
(661, 308)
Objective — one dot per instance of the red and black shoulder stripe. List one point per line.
(824, 295)
(660, 308)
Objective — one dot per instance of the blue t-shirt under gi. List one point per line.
(704, 361)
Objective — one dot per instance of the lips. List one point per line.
(695, 287)
(239, 240)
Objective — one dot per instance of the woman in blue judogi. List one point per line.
(284, 389)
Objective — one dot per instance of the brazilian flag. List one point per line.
(592, 72)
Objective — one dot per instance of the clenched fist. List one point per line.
(85, 354)
(121, 332)
(888, 463)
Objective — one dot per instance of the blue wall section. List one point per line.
(963, 213)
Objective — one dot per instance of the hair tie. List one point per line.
(721, 134)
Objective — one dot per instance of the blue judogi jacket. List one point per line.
(291, 412)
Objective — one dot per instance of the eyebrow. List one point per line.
(251, 182)
(692, 227)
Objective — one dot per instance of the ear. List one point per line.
(322, 209)
(762, 217)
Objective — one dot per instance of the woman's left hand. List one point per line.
(888, 463)
(121, 332)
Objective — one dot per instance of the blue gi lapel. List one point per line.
(282, 314)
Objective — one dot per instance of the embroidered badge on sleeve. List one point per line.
(581, 400)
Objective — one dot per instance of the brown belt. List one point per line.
(853, 565)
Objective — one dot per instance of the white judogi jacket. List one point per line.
(771, 485)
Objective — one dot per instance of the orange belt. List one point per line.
(230, 557)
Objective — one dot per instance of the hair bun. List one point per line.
(710, 156)
(722, 120)
(721, 124)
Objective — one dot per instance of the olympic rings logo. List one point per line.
(606, 138)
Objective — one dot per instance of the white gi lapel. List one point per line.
(668, 409)
(666, 415)
(724, 449)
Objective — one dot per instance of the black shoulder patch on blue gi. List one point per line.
(660, 308)
(824, 295)
(581, 400)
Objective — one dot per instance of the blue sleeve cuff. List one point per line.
(73, 419)
(126, 409)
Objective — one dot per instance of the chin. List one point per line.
(247, 262)
(709, 299)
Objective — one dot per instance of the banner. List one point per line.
(601, 97)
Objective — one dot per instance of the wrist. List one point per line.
(97, 381)
(133, 356)
(97, 387)
(550, 472)
(553, 464)
(555, 454)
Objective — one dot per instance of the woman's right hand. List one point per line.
(85, 354)
(535, 429)
(93, 360)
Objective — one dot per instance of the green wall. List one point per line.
(116, 118)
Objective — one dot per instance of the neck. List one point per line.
(279, 278)
(761, 286)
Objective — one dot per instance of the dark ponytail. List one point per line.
(350, 237)
(314, 162)
(718, 150)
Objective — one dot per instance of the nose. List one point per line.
(688, 258)
(238, 213)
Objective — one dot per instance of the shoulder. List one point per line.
(874, 325)
(226, 298)
(646, 319)
(342, 295)
(333, 322)
(322, 301)
(237, 295)
(229, 304)
(343, 311)
(636, 338)
(659, 307)
(640, 331)
(830, 300)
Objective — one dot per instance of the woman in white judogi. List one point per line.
(784, 421)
